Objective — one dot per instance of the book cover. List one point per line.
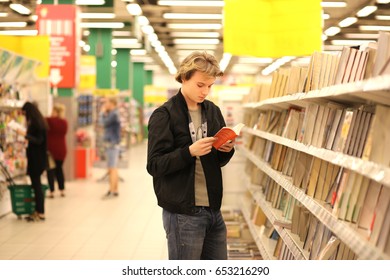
(226, 134)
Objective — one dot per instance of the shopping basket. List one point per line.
(22, 195)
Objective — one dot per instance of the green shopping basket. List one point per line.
(22, 198)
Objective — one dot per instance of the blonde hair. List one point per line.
(113, 100)
(198, 61)
(59, 109)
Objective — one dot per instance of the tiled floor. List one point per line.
(84, 226)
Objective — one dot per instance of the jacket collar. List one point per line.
(183, 102)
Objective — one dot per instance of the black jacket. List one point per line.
(169, 159)
(36, 150)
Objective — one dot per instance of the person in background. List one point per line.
(56, 146)
(112, 135)
(186, 169)
(36, 155)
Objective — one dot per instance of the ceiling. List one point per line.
(364, 28)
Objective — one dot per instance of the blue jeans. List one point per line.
(201, 236)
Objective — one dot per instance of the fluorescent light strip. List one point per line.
(276, 64)
(192, 3)
(138, 52)
(382, 17)
(127, 46)
(198, 47)
(361, 36)
(194, 26)
(3, 14)
(325, 16)
(224, 63)
(97, 15)
(147, 29)
(13, 24)
(19, 32)
(383, 1)
(90, 2)
(116, 33)
(349, 42)
(331, 31)
(134, 9)
(124, 41)
(328, 4)
(348, 21)
(19, 8)
(196, 41)
(195, 34)
(142, 20)
(191, 16)
(374, 28)
(102, 24)
(366, 11)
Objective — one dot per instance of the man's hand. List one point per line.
(202, 147)
(227, 147)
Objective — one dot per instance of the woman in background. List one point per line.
(56, 145)
(36, 155)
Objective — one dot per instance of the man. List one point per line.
(112, 135)
(186, 169)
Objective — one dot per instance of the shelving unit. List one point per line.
(372, 91)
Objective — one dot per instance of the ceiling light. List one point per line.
(247, 69)
(147, 29)
(114, 52)
(349, 42)
(331, 31)
(226, 57)
(134, 9)
(374, 28)
(127, 46)
(19, 32)
(194, 26)
(97, 15)
(13, 24)
(328, 4)
(192, 3)
(82, 43)
(276, 64)
(124, 41)
(86, 33)
(152, 67)
(118, 33)
(102, 25)
(114, 64)
(156, 44)
(19, 8)
(138, 52)
(90, 2)
(195, 34)
(152, 37)
(383, 1)
(368, 10)
(185, 53)
(191, 16)
(324, 37)
(382, 17)
(196, 41)
(3, 14)
(361, 36)
(325, 16)
(142, 20)
(255, 60)
(87, 48)
(198, 47)
(34, 17)
(348, 21)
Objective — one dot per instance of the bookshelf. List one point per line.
(291, 240)
(266, 245)
(346, 233)
(372, 170)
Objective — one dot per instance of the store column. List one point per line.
(138, 88)
(123, 69)
(64, 55)
(148, 77)
(100, 43)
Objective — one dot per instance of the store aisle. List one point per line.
(84, 226)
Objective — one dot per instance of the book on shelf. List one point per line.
(343, 61)
(384, 234)
(226, 134)
(340, 139)
(379, 214)
(333, 125)
(382, 52)
(329, 251)
(368, 210)
(360, 200)
(314, 174)
(353, 197)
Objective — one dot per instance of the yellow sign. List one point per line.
(272, 28)
(87, 73)
(106, 91)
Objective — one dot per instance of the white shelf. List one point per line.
(372, 170)
(372, 90)
(273, 215)
(266, 245)
(343, 230)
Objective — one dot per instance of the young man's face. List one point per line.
(197, 88)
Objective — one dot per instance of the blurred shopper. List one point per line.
(112, 137)
(186, 169)
(56, 146)
(36, 155)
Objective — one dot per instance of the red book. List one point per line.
(226, 134)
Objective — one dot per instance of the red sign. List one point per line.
(60, 23)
